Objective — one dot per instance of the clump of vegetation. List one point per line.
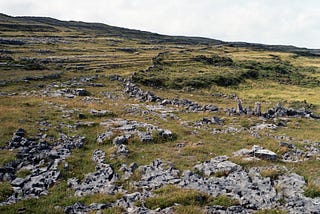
(187, 210)
(215, 60)
(23, 173)
(6, 156)
(272, 173)
(225, 201)
(5, 190)
(222, 173)
(114, 210)
(312, 190)
(171, 195)
(281, 71)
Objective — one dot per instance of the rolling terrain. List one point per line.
(102, 119)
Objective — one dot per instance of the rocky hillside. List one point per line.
(101, 119)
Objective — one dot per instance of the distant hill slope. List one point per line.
(46, 24)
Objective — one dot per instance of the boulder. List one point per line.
(266, 154)
(122, 149)
(81, 92)
(99, 113)
(120, 140)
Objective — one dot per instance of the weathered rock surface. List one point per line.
(79, 207)
(253, 191)
(100, 181)
(258, 152)
(100, 113)
(156, 175)
(217, 165)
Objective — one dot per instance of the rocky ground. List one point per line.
(249, 186)
(89, 125)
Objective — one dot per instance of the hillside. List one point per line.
(101, 118)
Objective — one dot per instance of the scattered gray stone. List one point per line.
(100, 113)
(262, 126)
(100, 181)
(128, 171)
(104, 136)
(79, 207)
(145, 132)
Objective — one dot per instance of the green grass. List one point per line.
(60, 196)
(5, 190)
(171, 195)
(177, 71)
(23, 173)
(272, 173)
(224, 201)
(187, 209)
(312, 191)
(6, 156)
